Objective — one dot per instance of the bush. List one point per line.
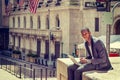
(16, 52)
(32, 55)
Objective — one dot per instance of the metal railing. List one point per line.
(26, 71)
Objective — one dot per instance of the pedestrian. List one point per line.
(96, 57)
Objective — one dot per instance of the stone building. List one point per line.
(55, 27)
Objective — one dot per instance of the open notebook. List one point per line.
(74, 60)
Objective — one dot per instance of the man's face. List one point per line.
(86, 35)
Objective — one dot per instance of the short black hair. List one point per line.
(85, 28)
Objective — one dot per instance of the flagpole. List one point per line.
(49, 31)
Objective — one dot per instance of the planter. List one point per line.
(32, 57)
(16, 54)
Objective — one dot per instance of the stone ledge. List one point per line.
(103, 75)
(63, 63)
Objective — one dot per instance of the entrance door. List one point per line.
(117, 28)
(46, 56)
(57, 49)
(4, 38)
(38, 47)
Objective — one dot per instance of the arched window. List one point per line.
(31, 22)
(24, 22)
(13, 22)
(39, 22)
(57, 21)
(47, 22)
(18, 22)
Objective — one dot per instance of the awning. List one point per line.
(115, 45)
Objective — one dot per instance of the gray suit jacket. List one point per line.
(100, 57)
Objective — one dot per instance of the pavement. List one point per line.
(4, 75)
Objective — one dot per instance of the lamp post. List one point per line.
(108, 5)
(50, 34)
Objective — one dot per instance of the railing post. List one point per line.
(45, 73)
(1, 62)
(41, 73)
(14, 68)
(10, 66)
(24, 70)
(20, 71)
(33, 74)
(31, 70)
(6, 64)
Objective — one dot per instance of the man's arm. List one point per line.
(100, 52)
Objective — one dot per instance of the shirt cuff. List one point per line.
(88, 61)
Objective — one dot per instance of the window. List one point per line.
(31, 22)
(24, 22)
(18, 22)
(39, 22)
(19, 41)
(97, 24)
(47, 22)
(57, 21)
(13, 22)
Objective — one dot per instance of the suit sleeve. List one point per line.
(101, 53)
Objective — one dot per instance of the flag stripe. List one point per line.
(21, 2)
(33, 4)
(8, 8)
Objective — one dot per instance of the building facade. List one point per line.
(55, 27)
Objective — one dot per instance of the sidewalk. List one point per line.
(4, 75)
(7, 76)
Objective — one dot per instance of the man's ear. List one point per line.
(90, 33)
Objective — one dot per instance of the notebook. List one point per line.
(74, 60)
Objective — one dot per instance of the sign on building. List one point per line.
(107, 18)
(100, 6)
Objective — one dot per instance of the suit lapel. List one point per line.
(88, 50)
(92, 46)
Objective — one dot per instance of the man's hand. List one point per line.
(83, 60)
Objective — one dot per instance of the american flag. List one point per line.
(8, 7)
(33, 4)
(20, 2)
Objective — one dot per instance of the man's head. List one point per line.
(86, 34)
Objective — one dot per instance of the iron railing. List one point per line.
(26, 71)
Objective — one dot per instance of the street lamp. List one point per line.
(50, 35)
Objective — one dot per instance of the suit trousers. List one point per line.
(75, 71)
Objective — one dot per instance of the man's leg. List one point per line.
(78, 72)
(71, 70)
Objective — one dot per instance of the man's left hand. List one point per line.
(83, 60)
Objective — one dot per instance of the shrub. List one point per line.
(32, 55)
(16, 52)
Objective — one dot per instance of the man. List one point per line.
(96, 57)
